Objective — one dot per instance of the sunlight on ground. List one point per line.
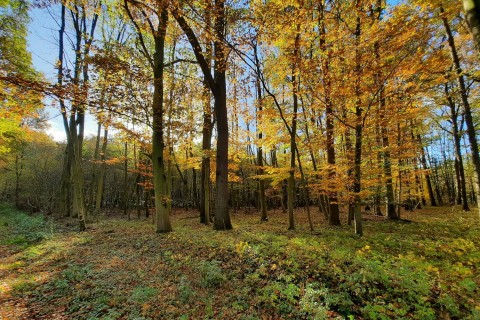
(122, 269)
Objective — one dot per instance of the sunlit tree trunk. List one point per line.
(157, 62)
(260, 171)
(423, 161)
(466, 105)
(162, 198)
(333, 210)
(460, 172)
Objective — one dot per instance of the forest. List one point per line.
(233, 159)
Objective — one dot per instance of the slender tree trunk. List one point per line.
(125, 181)
(423, 161)
(333, 210)
(293, 135)
(387, 166)
(18, 174)
(466, 105)
(291, 176)
(358, 135)
(76, 138)
(78, 199)
(101, 173)
(460, 172)
(65, 185)
(194, 185)
(205, 197)
(206, 146)
(137, 181)
(261, 182)
(95, 167)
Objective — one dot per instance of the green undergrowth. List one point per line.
(118, 269)
(22, 230)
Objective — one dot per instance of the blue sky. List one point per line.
(43, 45)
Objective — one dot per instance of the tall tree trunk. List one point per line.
(291, 176)
(222, 215)
(218, 86)
(293, 134)
(125, 181)
(205, 199)
(65, 184)
(358, 134)
(387, 166)
(205, 210)
(333, 210)
(162, 198)
(460, 172)
(466, 105)
(260, 171)
(77, 120)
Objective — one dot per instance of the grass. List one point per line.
(118, 269)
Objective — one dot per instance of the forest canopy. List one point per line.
(338, 114)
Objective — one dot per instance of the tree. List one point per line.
(157, 63)
(218, 86)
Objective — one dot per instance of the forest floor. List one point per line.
(424, 268)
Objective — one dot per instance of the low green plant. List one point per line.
(185, 290)
(142, 294)
(313, 301)
(279, 296)
(211, 275)
(23, 229)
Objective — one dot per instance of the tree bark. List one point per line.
(260, 171)
(162, 198)
(460, 172)
(423, 160)
(101, 173)
(358, 134)
(333, 210)
(466, 105)
(217, 84)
